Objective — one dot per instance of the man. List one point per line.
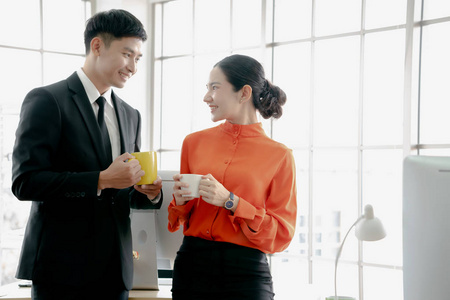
(77, 243)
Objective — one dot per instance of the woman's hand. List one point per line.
(213, 191)
(178, 192)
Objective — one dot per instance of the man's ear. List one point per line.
(96, 44)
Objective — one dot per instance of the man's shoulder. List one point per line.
(72, 82)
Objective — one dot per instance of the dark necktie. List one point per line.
(103, 129)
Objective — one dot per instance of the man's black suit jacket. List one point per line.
(72, 233)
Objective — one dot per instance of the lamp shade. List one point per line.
(369, 228)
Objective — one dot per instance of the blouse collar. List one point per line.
(255, 129)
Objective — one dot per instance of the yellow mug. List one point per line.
(147, 160)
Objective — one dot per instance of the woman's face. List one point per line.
(221, 97)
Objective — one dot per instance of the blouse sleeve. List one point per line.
(179, 214)
(271, 228)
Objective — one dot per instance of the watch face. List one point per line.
(229, 204)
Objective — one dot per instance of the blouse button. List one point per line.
(207, 231)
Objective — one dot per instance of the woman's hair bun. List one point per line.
(271, 100)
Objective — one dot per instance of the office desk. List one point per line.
(13, 292)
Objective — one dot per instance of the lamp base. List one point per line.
(339, 298)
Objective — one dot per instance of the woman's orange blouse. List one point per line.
(252, 166)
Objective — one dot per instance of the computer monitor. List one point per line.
(426, 227)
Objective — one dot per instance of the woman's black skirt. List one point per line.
(217, 270)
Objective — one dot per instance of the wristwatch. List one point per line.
(230, 202)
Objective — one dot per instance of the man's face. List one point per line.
(118, 62)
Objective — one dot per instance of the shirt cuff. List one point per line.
(156, 199)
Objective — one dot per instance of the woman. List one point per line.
(247, 205)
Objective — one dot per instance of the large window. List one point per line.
(366, 86)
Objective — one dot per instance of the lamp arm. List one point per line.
(339, 255)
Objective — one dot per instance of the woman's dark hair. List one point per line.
(241, 70)
(111, 25)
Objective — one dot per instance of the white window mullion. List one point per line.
(360, 145)
(408, 78)
(311, 150)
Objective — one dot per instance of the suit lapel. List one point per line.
(82, 102)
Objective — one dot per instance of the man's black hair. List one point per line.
(111, 25)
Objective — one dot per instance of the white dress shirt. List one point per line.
(110, 117)
(110, 114)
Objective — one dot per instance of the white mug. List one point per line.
(193, 180)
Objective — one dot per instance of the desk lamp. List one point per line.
(368, 228)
